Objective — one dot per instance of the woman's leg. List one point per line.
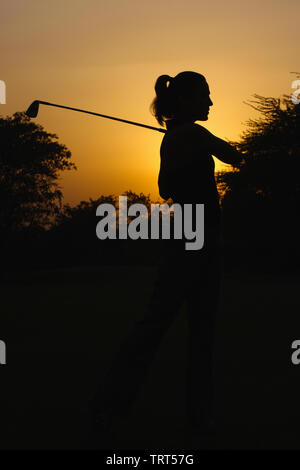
(131, 363)
(203, 295)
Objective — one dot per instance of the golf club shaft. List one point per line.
(103, 115)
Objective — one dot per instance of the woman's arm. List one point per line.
(219, 148)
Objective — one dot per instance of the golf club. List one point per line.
(33, 110)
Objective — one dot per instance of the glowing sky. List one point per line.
(105, 56)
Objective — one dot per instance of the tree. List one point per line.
(261, 200)
(30, 162)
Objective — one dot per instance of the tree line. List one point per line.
(260, 200)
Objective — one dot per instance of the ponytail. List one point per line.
(162, 103)
(161, 85)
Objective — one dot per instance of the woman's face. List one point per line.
(197, 107)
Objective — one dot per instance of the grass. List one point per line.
(61, 330)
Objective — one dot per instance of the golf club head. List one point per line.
(33, 109)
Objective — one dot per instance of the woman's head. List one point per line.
(184, 96)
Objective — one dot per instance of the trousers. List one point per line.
(193, 276)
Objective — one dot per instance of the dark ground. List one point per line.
(61, 329)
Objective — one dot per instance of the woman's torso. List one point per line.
(187, 171)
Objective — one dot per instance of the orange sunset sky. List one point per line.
(104, 56)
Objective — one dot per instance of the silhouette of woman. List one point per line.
(186, 176)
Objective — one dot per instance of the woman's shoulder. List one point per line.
(187, 132)
(201, 130)
(187, 127)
